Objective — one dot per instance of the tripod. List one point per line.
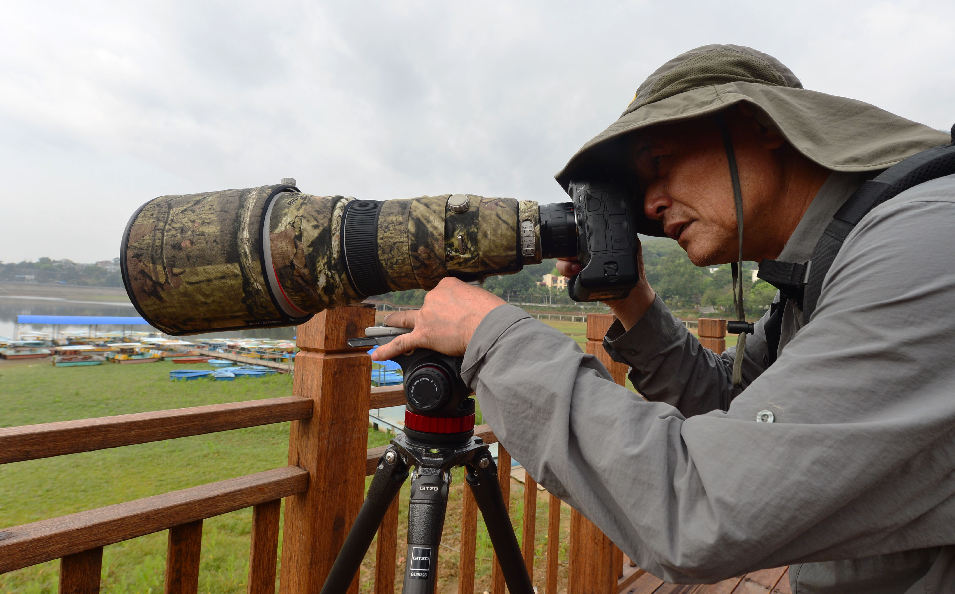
(438, 436)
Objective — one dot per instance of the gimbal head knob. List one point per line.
(427, 387)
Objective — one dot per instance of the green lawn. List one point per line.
(39, 489)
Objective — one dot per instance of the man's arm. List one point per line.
(668, 364)
(857, 462)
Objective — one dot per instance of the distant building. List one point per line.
(554, 281)
(752, 273)
(109, 265)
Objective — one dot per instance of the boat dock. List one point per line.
(280, 367)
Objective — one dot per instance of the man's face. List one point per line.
(686, 174)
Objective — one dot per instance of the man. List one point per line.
(835, 450)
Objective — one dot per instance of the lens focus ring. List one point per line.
(360, 247)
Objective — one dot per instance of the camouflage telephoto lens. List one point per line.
(273, 256)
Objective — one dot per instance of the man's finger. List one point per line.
(401, 319)
(567, 267)
(400, 344)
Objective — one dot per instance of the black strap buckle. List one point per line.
(789, 277)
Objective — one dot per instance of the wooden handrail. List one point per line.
(30, 442)
(385, 396)
(29, 544)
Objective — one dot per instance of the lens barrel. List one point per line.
(197, 263)
(272, 256)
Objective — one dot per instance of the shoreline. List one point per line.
(69, 293)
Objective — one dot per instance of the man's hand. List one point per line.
(445, 323)
(631, 308)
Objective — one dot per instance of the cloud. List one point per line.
(106, 105)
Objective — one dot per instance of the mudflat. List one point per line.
(67, 292)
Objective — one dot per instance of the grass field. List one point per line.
(37, 392)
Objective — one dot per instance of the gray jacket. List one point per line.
(853, 481)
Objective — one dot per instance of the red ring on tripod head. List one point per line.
(438, 424)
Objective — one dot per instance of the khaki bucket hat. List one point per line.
(838, 133)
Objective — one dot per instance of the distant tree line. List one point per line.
(45, 270)
(684, 287)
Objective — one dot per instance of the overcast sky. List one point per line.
(105, 106)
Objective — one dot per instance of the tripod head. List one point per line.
(439, 409)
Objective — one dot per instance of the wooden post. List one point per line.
(182, 558)
(386, 551)
(712, 333)
(597, 326)
(262, 553)
(529, 528)
(553, 542)
(330, 445)
(80, 572)
(592, 554)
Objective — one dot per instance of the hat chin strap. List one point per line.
(741, 327)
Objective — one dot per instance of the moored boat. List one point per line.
(189, 360)
(26, 349)
(132, 352)
(189, 374)
(76, 355)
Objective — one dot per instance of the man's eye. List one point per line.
(660, 162)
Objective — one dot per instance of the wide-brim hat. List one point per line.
(838, 133)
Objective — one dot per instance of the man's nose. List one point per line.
(655, 202)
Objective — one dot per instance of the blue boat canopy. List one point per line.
(82, 320)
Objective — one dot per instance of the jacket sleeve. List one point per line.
(668, 364)
(858, 461)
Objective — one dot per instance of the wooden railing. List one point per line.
(323, 485)
(78, 539)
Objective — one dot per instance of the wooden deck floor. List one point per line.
(774, 580)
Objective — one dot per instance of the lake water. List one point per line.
(13, 305)
(16, 301)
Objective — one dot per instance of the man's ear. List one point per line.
(764, 128)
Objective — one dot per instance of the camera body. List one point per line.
(606, 243)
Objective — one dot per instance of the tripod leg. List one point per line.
(390, 475)
(426, 510)
(482, 478)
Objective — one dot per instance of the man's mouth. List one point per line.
(675, 230)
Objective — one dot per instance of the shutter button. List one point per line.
(765, 416)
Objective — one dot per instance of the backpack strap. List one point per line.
(802, 283)
(917, 169)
